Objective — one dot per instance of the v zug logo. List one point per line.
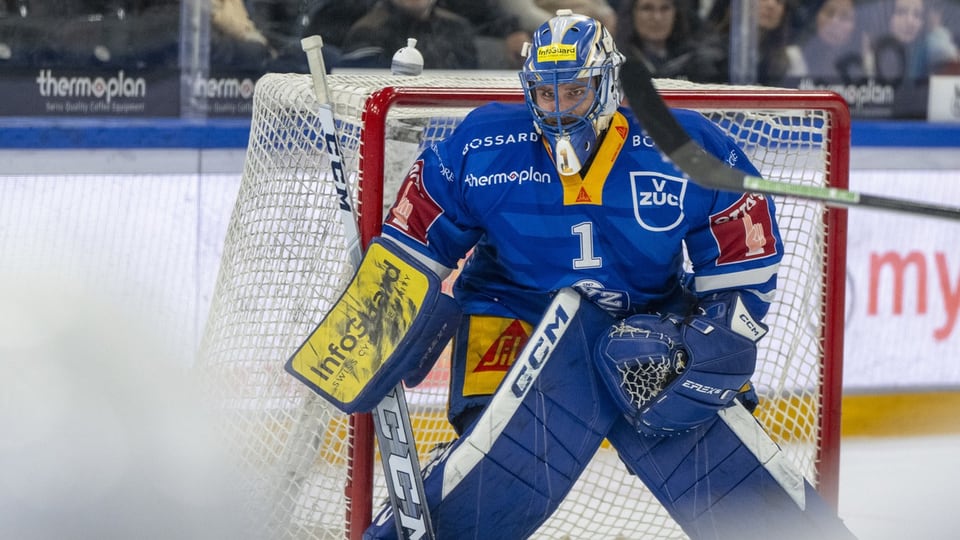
(657, 200)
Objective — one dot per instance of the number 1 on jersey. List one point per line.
(587, 259)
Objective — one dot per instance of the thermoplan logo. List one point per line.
(108, 89)
(225, 88)
(519, 177)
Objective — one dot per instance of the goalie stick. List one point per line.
(706, 170)
(391, 419)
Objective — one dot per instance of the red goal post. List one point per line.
(791, 135)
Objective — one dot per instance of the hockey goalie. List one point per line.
(643, 296)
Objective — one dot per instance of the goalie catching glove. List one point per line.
(670, 374)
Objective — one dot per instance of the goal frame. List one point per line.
(370, 196)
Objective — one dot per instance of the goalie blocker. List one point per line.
(722, 478)
(390, 324)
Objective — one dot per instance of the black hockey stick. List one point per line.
(706, 170)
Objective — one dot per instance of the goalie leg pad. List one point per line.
(717, 485)
(391, 323)
(517, 461)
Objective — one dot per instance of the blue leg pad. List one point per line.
(715, 487)
(516, 463)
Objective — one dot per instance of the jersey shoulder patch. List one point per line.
(415, 210)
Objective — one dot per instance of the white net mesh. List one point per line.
(284, 264)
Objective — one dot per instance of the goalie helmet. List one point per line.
(569, 50)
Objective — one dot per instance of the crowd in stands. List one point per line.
(829, 41)
(112, 33)
(826, 41)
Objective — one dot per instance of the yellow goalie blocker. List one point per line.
(390, 324)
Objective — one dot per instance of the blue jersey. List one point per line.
(616, 231)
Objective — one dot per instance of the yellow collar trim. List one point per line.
(589, 189)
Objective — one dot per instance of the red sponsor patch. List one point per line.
(744, 230)
(415, 210)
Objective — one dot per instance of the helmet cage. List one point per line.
(554, 119)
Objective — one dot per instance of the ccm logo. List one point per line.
(336, 166)
(751, 326)
(543, 344)
(397, 446)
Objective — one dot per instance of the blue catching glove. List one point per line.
(671, 374)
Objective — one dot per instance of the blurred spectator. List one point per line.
(659, 33)
(531, 14)
(697, 11)
(286, 22)
(332, 19)
(598, 9)
(499, 38)
(235, 41)
(280, 21)
(830, 49)
(900, 51)
(950, 15)
(132, 34)
(941, 45)
(23, 37)
(446, 40)
(897, 30)
(774, 24)
(127, 34)
(528, 13)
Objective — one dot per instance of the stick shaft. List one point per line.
(705, 169)
(391, 418)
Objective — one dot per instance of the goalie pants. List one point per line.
(513, 466)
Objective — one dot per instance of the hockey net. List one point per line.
(310, 471)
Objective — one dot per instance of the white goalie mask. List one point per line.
(571, 80)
